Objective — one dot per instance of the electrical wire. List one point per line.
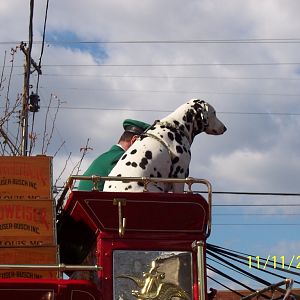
(243, 258)
(168, 65)
(231, 259)
(170, 77)
(192, 41)
(175, 64)
(39, 74)
(43, 44)
(168, 111)
(173, 92)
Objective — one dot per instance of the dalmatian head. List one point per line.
(201, 117)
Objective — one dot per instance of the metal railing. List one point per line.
(273, 287)
(55, 267)
(189, 181)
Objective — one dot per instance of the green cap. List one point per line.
(134, 126)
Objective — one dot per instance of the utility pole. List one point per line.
(27, 71)
(25, 99)
(24, 113)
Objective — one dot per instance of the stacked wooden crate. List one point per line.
(27, 219)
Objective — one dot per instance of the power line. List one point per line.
(39, 73)
(168, 111)
(256, 205)
(256, 214)
(176, 92)
(43, 43)
(196, 41)
(172, 77)
(256, 224)
(184, 41)
(255, 193)
(174, 64)
(168, 65)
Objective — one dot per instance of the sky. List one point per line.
(105, 61)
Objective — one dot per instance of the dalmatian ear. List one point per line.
(201, 120)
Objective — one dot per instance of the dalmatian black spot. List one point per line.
(178, 168)
(178, 138)
(134, 164)
(128, 163)
(171, 136)
(175, 160)
(148, 154)
(140, 183)
(179, 149)
(171, 171)
(143, 163)
(128, 187)
(124, 156)
(189, 116)
(133, 151)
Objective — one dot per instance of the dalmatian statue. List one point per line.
(164, 149)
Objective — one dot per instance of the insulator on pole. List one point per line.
(34, 100)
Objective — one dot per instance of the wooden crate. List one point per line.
(25, 178)
(28, 256)
(27, 223)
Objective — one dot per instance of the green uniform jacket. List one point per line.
(101, 166)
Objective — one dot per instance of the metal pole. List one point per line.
(24, 114)
(59, 267)
(201, 269)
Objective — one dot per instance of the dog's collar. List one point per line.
(168, 124)
(171, 154)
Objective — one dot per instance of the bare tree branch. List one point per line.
(2, 79)
(84, 151)
(14, 150)
(53, 124)
(63, 170)
(59, 148)
(45, 124)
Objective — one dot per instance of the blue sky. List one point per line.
(70, 40)
(245, 63)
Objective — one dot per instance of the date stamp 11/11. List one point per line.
(275, 262)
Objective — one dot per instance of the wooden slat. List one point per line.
(24, 178)
(26, 256)
(26, 223)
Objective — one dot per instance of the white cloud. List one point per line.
(259, 152)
